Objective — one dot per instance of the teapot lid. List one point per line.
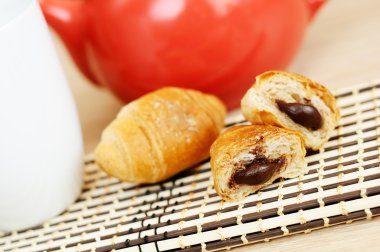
(11, 8)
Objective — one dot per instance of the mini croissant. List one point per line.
(160, 135)
(294, 102)
(248, 157)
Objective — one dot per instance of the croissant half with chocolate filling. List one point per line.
(294, 102)
(160, 135)
(247, 158)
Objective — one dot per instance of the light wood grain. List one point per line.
(341, 48)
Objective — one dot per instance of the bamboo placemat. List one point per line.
(343, 185)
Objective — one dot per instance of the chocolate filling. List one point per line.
(259, 171)
(306, 115)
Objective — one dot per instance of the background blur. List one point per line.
(341, 48)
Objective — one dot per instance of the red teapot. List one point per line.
(217, 46)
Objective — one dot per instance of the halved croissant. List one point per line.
(247, 158)
(294, 102)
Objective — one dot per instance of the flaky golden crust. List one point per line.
(241, 140)
(160, 135)
(314, 87)
(259, 114)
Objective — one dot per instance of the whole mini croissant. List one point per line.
(160, 135)
(294, 102)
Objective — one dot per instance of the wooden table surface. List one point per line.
(341, 48)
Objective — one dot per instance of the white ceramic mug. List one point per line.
(40, 138)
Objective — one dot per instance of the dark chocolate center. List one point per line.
(306, 115)
(259, 171)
